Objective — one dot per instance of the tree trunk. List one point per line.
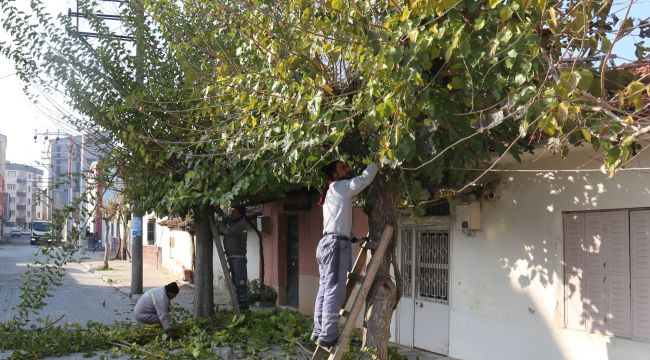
(382, 206)
(203, 294)
(107, 247)
(117, 235)
(125, 235)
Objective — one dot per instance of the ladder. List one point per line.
(224, 265)
(354, 277)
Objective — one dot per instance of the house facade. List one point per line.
(551, 263)
(169, 249)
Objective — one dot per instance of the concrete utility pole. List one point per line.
(136, 246)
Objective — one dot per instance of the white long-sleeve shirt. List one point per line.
(153, 305)
(337, 209)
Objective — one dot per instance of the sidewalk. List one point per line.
(119, 276)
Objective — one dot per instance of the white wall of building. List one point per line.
(507, 290)
(179, 256)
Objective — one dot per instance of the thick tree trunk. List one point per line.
(382, 207)
(203, 294)
(107, 243)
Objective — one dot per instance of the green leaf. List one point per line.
(479, 24)
(520, 79)
(337, 5)
(494, 3)
(549, 125)
(634, 92)
(612, 155)
(405, 13)
(586, 134)
(505, 14)
(605, 44)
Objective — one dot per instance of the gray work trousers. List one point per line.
(146, 319)
(333, 259)
(239, 274)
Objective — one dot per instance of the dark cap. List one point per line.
(330, 168)
(172, 288)
(240, 208)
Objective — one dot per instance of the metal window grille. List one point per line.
(432, 267)
(151, 232)
(407, 262)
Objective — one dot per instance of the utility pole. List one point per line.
(136, 218)
(136, 243)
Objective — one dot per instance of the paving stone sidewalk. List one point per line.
(119, 276)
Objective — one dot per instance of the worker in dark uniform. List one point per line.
(233, 229)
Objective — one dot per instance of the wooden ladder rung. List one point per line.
(369, 245)
(355, 277)
(321, 351)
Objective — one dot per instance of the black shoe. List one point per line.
(326, 344)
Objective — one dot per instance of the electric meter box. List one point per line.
(469, 215)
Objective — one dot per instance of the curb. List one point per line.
(106, 279)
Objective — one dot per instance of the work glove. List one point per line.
(172, 334)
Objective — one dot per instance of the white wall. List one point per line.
(182, 252)
(507, 281)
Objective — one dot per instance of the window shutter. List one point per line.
(617, 269)
(595, 290)
(574, 256)
(640, 273)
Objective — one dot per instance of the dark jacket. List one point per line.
(234, 236)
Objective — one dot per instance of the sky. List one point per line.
(20, 119)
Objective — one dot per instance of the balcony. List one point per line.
(20, 221)
(21, 194)
(21, 207)
(21, 181)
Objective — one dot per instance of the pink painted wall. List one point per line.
(310, 232)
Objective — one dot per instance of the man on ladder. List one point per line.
(332, 252)
(233, 230)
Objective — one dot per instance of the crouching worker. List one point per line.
(152, 308)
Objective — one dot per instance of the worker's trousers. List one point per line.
(333, 258)
(239, 274)
(146, 319)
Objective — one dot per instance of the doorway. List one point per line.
(293, 258)
(424, 308)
